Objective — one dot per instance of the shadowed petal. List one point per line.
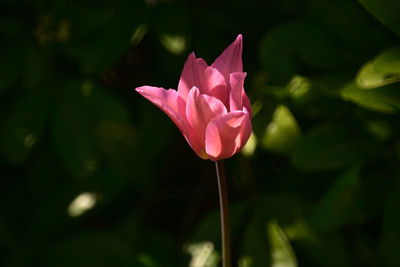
(236, 80)
(215, 85)
(231, 59)
(168, 101)
(227, 134)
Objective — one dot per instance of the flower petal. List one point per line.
(168, 101)
(227, 134)
(216, 85)
(231, 59)
(245, 131)
(192, 75)
(207, 79)
(247, 104)
(236, 80)
(200, 110)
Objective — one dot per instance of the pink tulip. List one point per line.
(210, 106)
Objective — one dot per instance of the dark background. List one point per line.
(317, 185)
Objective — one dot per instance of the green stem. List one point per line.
(224, 211)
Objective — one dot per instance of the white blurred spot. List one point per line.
(81, 204)
(203, 255)
(176, 44)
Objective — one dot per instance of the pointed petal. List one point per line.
(236, 80)
(207, 79)
(227, 134)
(192, 75)
(231, 59)
(200, 110)
(168, 101)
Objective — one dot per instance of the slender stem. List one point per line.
(224, 211)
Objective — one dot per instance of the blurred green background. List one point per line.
(92, 174)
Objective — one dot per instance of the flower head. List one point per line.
(210, 107)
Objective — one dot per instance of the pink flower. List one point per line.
(210, 106)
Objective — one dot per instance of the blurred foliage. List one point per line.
(94, 175)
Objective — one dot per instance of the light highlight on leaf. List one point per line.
(282, 133)
(382, 70)
(282, 254)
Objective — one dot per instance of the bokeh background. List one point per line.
(92, 174)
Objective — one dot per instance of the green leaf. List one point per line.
(207, 234)
(388, 61)
(369, 78)
(281, 252)
(266, 244)
(353, 27)
(203, 254)
(103, 52)
(382, 70)
(209, 228)
(282, 132)
(73, 133)
(24, 125)
(263, 240)
(106, 106)
(288, 45)
(99, 120)
(329, 147)
(298, 87)
(101, 37)
(386, 11)
(340, 205)
(254, 245)
(317, 98)
(264, 110)
(384, 99)
(317, 250)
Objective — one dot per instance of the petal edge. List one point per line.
(230, 59)
(227, 134)
(169, 102)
